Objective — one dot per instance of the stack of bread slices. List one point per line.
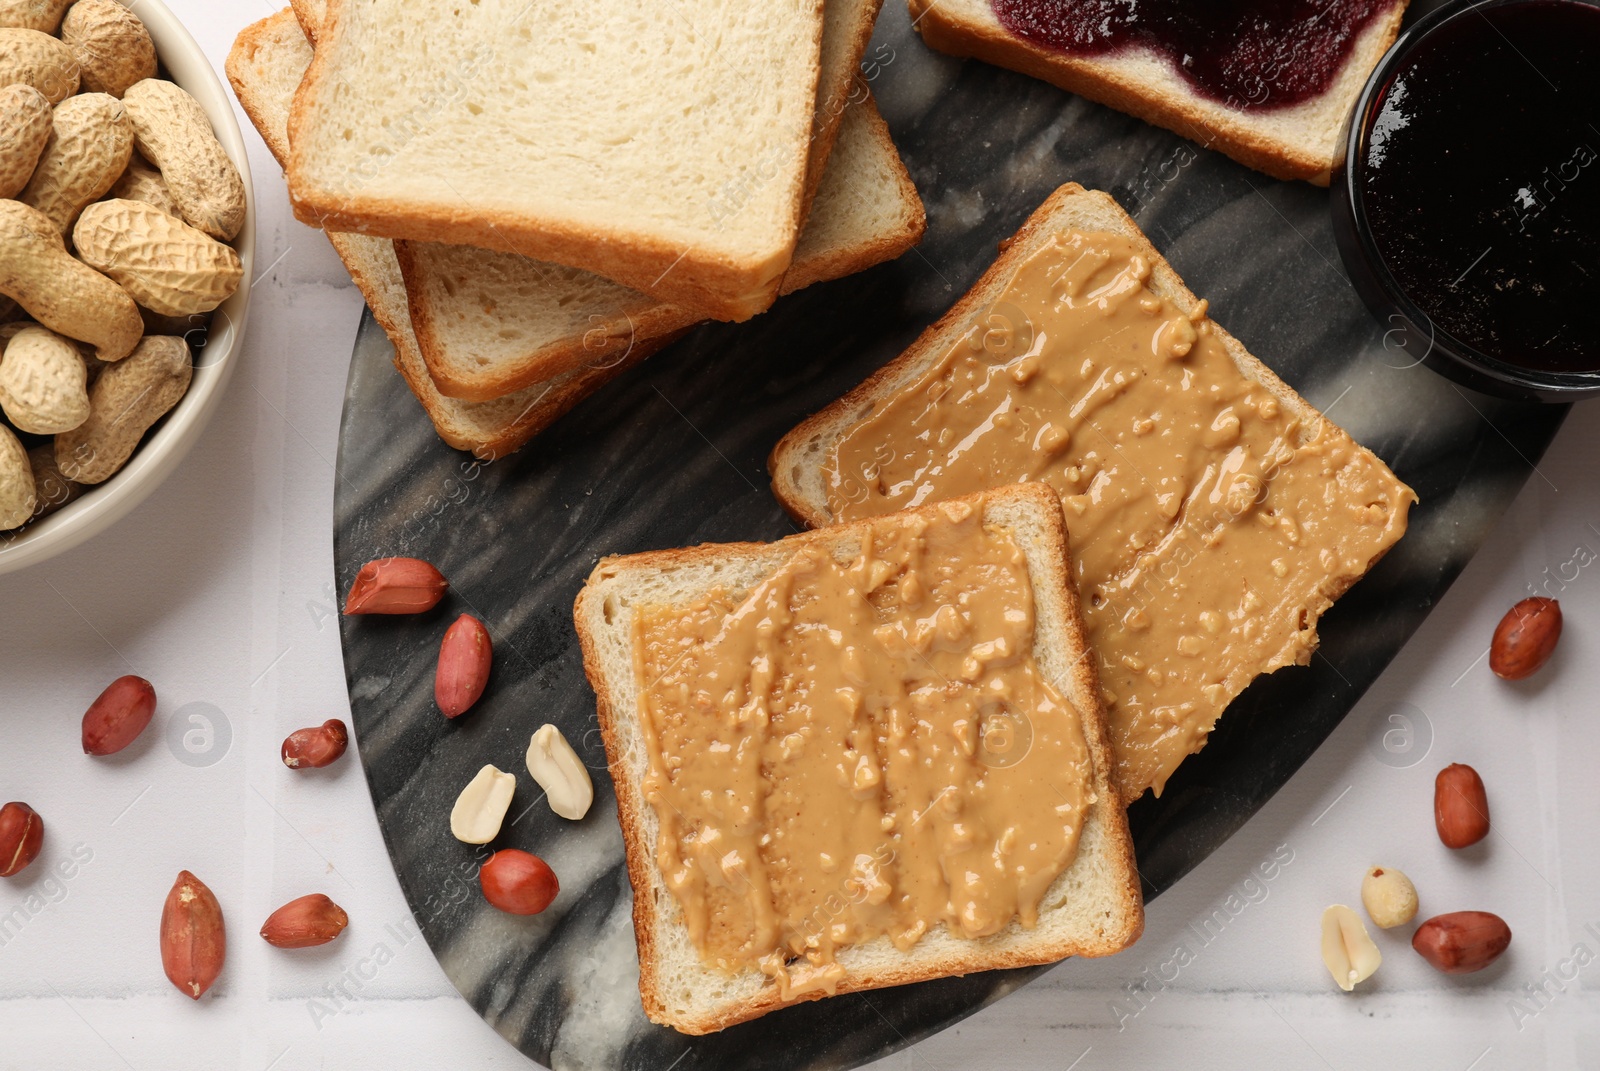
(525, 225)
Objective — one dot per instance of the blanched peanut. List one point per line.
(111, 45)
(128, 397)
(1389, 897)
(482, 806)
(17, 493)
(172, 131)
(166, 265)
(60, 291)
(91, 141)
(1347, 950)
(38, 60)
(25, 123)
(558, 770)
(43, 383)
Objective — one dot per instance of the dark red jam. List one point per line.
(1482, 181)
(1244, 53)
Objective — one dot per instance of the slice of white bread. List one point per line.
(311, 14)
(489, 429)
(1297, 141)
(864, 215)
(846, 29)
(265, 65)
(1094, 908)
(867, 210)
(663, 146)
(488, 323)
(797, 463)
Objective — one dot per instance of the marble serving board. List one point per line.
(673, 454)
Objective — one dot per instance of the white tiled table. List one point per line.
(218, 590)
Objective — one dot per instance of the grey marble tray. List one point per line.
(674, 454)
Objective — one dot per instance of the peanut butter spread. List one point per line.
(1211, 524)
(859, 749)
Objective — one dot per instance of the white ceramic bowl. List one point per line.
(102, 506)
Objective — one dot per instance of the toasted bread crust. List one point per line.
(717, 288)
(649, 890)
(854, 406)
(1212, 125)
(715, 285)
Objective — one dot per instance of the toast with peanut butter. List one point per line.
(1214, 513)
(866, 211)
(855, 758)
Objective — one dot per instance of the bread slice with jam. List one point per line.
(1288, 140)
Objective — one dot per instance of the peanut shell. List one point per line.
(44, 386)
(141, 182)
(124, 402)
(167, 266)
(111, 45)
(39, 60)
(41, 15)
(60, 291)
(17, 493)
(91, 141)
(25, 125)
(52, 490)
(172, 131)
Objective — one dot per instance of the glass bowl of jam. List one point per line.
(1467, 205)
